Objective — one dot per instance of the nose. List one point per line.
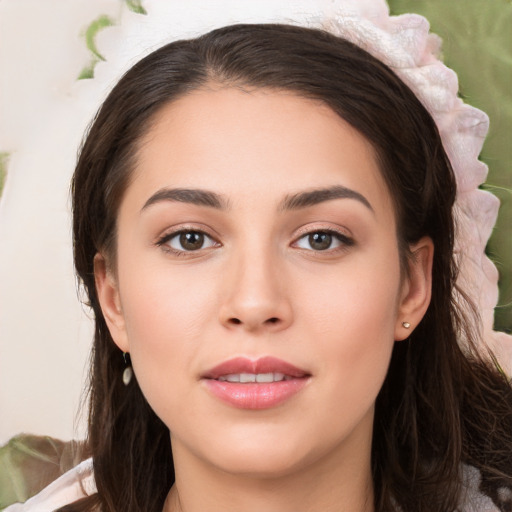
(256, 297)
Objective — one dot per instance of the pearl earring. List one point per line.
(128, 372)
(406, 325)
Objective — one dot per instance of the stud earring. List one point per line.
(406, 325)
(128, 372)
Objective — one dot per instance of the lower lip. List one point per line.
(255, 396)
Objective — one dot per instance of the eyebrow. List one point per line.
(291, 202)
(316, 196)
(188, 195)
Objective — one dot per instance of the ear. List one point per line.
(108, 295)
(416, 288)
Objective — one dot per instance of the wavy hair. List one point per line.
(438, 408)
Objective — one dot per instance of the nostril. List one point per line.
(237, 321)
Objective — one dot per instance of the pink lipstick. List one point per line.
(259, 384)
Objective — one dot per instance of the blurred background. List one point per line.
(477, 44)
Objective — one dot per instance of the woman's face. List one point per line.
(257, 242)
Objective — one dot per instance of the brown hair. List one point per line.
(438, 408)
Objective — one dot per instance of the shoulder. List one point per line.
(77, 483)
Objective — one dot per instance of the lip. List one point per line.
(255, 396)
(266, 364)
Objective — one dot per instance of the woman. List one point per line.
(263, 222)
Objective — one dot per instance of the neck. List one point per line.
(339, 482)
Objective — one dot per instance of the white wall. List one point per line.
(44, 334)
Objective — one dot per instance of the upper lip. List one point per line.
(266, 364)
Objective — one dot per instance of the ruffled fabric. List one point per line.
(472, 500)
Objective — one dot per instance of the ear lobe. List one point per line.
(108, 296)
(416, 288)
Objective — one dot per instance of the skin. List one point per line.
(259, 288)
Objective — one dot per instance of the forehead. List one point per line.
(250, 143)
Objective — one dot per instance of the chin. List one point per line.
(265, 453)
(261, 464)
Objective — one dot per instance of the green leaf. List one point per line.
(28, 463)
(136, 6)
(93, 29)
(90, 40)
(88, 71)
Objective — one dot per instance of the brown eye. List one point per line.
(323, 240)
(187, 241)
(320, 241)
(191, 241)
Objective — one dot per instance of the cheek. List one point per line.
(353, 320)
(166, 315)
(357, 299)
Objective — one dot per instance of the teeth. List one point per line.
(253, 377)
(265, 377)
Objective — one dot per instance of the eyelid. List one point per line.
(313, 227)
(344, 237)
(163, 240)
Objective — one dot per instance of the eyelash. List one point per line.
(344, 241)
(164, 241)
